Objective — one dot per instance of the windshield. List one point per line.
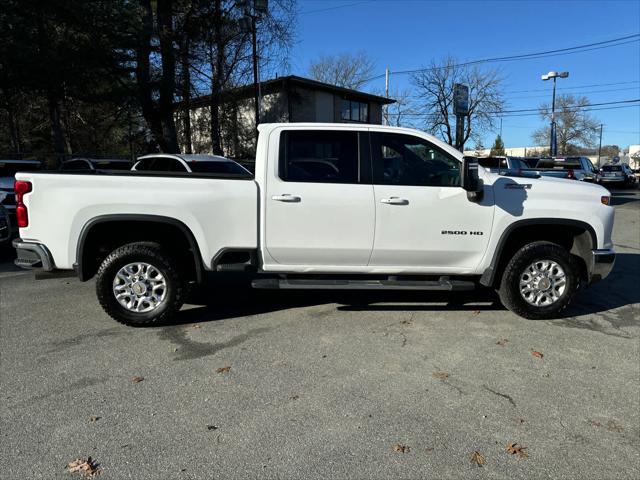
(217, 167)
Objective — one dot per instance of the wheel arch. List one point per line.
(577, 236)
(146, 227)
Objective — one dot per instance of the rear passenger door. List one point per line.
(319, 203)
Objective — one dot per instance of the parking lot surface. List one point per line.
(325, 385)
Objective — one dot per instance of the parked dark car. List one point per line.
(6, 231)
(8, 169)
(92, 164)
(617, 174)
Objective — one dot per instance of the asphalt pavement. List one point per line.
(325, 385)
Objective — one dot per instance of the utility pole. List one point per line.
(386, 92)
(553, 148)
(252, 11)
(256, 79)
(600, 146)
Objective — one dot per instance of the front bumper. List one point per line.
(33, 255)
(602, 262)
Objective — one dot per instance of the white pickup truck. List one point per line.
(331, 206)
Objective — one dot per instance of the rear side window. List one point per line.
(319, 156)
(408, 160)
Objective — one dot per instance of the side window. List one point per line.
(319, 156)
(407, 160)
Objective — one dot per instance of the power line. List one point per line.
(574, 87)
(521, 112)
(527, 56)
(335, 7)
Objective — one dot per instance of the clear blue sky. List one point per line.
(406, 34)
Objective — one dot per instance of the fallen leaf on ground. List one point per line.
(521, 420)
(614, 427)
(502, 342)
(399, 448)
(477, 312)
(87, 468)
(223, 369)
(478, 459)
(441, 375)
(212, 427)
(514, 449)
(595, 423)
(428, 450)
(406, 322)
(294, 397)
(195, 327)
(537, 354)
(94, 419)
(137, 379)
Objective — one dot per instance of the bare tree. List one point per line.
(403, 112)
(434, 86)
(574, 127)
(349, 70)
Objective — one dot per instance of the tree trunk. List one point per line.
(143, 76)
(217, 68)
(168, 78)
(53, 97)
(57, 133)
(186, 93)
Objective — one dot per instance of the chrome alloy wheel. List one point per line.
(139, 287)
(542, 283)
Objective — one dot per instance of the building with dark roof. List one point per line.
(283, 99)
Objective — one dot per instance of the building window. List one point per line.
(354, 111)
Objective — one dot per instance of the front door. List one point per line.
(319, 209)
(423, 217)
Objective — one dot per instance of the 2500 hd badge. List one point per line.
(460, 232)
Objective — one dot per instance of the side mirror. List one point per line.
(471, 181)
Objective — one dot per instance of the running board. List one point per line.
(444, 284)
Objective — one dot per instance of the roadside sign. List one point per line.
(460, 99)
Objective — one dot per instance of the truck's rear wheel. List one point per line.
(539, 281)
(139, 284)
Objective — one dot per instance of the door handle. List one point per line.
(285, 197)
(395, 201)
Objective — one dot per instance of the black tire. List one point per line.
(509, 290)
(146, 252)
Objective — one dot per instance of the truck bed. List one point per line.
(220, 210)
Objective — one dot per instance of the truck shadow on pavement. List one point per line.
(623, 198)
(607, 300)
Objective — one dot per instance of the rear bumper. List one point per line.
(602, 262)
(613, 179)
(33, 255)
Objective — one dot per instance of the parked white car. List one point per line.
(208, 164)
(331, 206)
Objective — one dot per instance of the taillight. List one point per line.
(22, 215)
(570, 174)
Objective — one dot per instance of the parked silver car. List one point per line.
(620, 174)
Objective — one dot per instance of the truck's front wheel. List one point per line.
(139, 284)
(539, 281)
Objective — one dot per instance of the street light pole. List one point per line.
(553, 148)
